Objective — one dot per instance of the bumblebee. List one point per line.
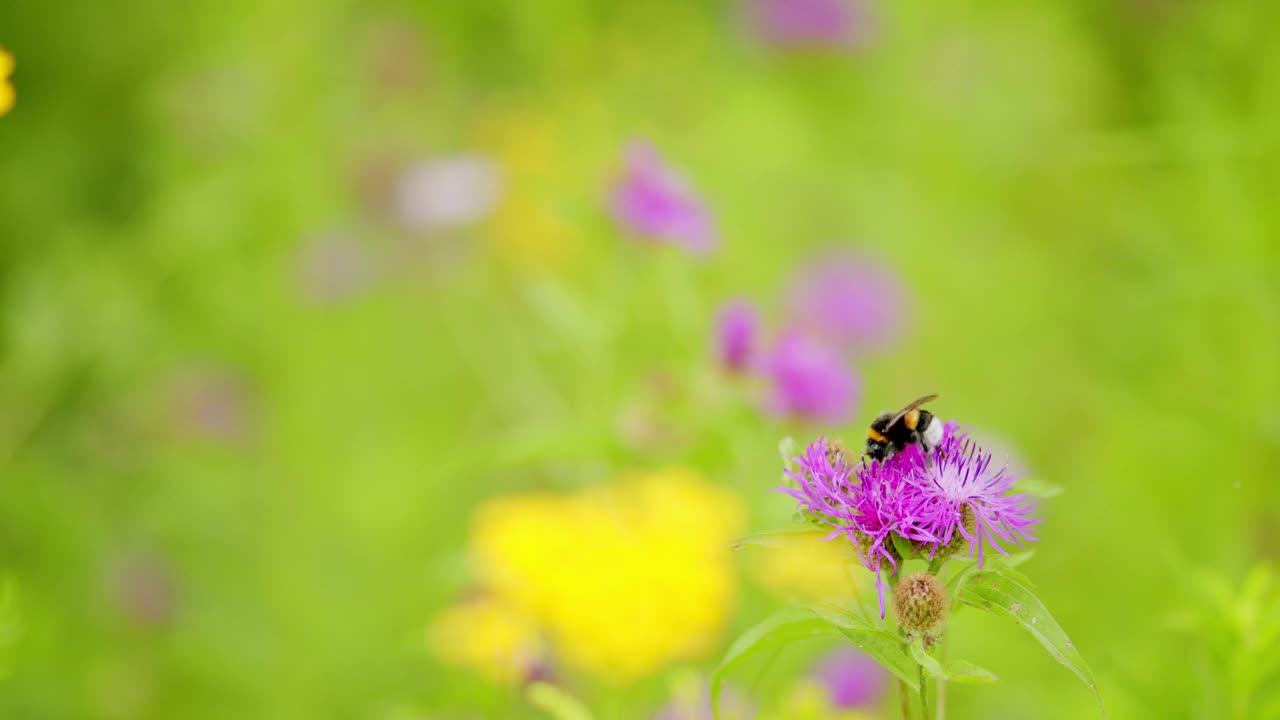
(891, 433)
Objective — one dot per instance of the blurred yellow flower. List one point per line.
(527, 231)
(6, 87)
(624, 578)
(527, 228)
(488, 636)
(805, 567)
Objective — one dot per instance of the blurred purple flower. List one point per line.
(848, 299)
(654, 201)
(809, 380)
(214, 404)
(737, 335)
(810, 23)
(446, 192)
(144, 589)
(852, 679)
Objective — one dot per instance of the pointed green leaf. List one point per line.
(1016, 559)
(903, 546)
(779, 629)
(956, 671)
(786, 539)
(1036, 488)
(884, 647)
(956, 582)
(995, 591)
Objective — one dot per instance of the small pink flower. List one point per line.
(848, 299)
(810, 23)
(737, 335)
(852, 679)
(654, 201)
(810, 380)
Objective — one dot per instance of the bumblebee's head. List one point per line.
(877, 443)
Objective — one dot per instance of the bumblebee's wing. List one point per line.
(915, 404)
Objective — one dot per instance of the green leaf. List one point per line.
(785, 540)
(1016, 559)
(903, 546)
(1037, 488)
(996, 591)
(781, 628)
(884, 647)
(956, 582)
(956, 671)
(556, 702)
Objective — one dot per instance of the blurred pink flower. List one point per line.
(654, 201)
(852, 679)
(446, 192)
(809, 380)
(213, 404)
(143, 588)
(737, 335)
(810, 23)
(333, 267)
(849, 300)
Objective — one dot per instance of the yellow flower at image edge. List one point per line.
(488, 636)
(6, 88)
(624, 578)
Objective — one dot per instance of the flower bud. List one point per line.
(839, 456)
(920, 602)
(958, 543)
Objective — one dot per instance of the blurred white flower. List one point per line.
(446, 192)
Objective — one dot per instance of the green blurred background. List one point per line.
(246, 413)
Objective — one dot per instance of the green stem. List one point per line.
(940, 695)
(905, 697)
(924, 694)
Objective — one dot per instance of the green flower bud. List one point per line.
(920, 603)
(864, 548)
(958, 544)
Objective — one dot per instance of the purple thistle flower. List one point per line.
(848, 299)
(959, 473)
(656, 202)
(810, 23)
(737, 334)
(852, 679)
(867, 510)
(921, 498)
(809, 380)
